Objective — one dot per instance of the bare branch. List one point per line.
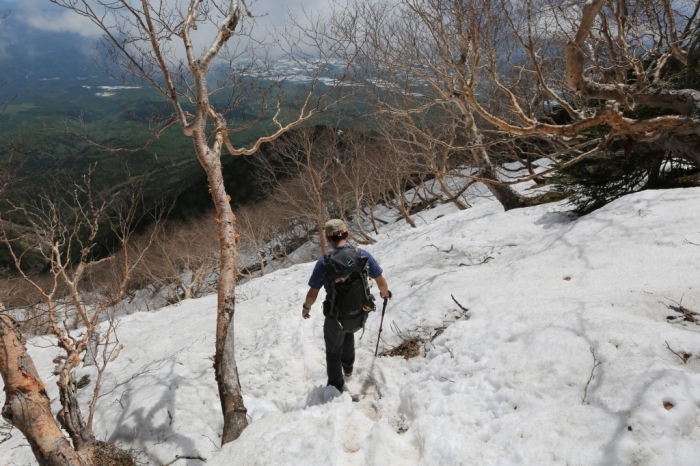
(596, 363)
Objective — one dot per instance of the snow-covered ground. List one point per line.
(547, 295)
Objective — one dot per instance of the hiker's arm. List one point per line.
(376, 272)
(309, 301)
(383, 287)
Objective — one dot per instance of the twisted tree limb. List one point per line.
(27, 406)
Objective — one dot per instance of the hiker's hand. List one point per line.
(305, 313)
(387, 296)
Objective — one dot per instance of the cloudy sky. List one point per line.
(42, 14)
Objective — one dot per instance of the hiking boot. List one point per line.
(347, 372)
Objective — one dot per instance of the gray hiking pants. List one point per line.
(340, 352)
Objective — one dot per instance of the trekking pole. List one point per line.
(380, 326)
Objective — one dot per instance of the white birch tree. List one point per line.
(172, 46)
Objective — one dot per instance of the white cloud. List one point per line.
(46, 17)
(275, 15)
(269, 15)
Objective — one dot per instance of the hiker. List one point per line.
(343, 270)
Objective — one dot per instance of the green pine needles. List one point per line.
(613, 173)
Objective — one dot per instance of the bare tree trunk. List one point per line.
(70, 416)
(404, 212)
(27, 405)
(374, 220)
(224, 360)
(506, 195)
(450, 195)
(357, 240)
(655, 171)
(321, 236)
(362, 231)
(531, 170)
(91, 354)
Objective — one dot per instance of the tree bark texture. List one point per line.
(92, 347)
(681, 133)
(225, 368)
(321, 235)
(27, 406)
(507, 196)
(224, 359)
(70, 416)
(454, 198)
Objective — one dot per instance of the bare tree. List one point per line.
(155, 43)
(21, 299)
(431, 149)
(621, 69)
(64, 226)
(262, 228)
(399, 173)
(371, 166)
(324, 171)
(577, 76)
(27, 406)
(180, 258)
(409, 66)
(352, 190)
(301, 168)
(635, 56)
(105, 352)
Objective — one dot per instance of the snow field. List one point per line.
(546, 294)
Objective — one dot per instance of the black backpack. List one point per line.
(350, 299)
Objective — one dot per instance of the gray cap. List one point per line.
(334, 227)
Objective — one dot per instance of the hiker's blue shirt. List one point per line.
(319, 278)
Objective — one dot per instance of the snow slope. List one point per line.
(504, 386)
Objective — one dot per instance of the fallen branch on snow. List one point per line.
(488, 258)
(685, 240)
(596, 363)
(686, 314)
(460, 306)
(438, 249)
(420, 335)
(178, 457)
(683, 358)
